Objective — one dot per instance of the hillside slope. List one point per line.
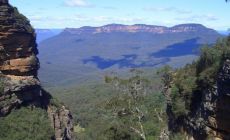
(87, 50)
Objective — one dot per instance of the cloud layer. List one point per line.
(76, 13)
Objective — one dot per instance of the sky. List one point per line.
(51, 14)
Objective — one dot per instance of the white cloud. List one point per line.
(77, 3)
(80, 20)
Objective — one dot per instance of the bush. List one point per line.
(211, 60)
(178, 104)
(178, 136)
(195, 77)
(55, 102)
(26, 124)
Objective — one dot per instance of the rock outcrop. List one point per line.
(18, 69)
(19, 63)
(4, 2)
(62, 122)
(210, 115)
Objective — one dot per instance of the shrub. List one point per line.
(211, 60)
(178, 103)
(197, 76)
(26, 124)
(178, 136)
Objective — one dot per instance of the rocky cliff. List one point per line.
(18, 69)
(138, 28)
(207, 115)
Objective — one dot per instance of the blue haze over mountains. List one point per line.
(82, 53)
(43, 34)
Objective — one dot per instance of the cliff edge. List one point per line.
(18, 70)
(199, 95)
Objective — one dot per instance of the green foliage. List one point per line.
(55, 102)
(119, 133)
(94, 106)
(184, 82)
(183, 87)
(26, 124)
(8, 101)
(166, 75)
(211, 60)
(108, 79)
(131, 108)
(178, 103)
(178, 136)
(122, 119)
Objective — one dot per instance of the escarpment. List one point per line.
(18, 70)
(199, 96)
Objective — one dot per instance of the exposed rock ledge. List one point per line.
(211, 117)
(18, 68)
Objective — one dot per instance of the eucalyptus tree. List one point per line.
(127, 105)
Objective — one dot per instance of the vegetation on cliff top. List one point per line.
(26, 124)
(195, 77)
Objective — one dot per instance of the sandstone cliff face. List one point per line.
(19, 63)
(210, 117)
(138, 28)
(62, 121)
(18, 69)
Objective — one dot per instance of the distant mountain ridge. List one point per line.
(139, 28)
(43, 34)
(224, 32)
(78, 54)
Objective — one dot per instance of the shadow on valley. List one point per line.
(126, 61)
(188, 47)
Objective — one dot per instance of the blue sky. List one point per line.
(77, 13)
